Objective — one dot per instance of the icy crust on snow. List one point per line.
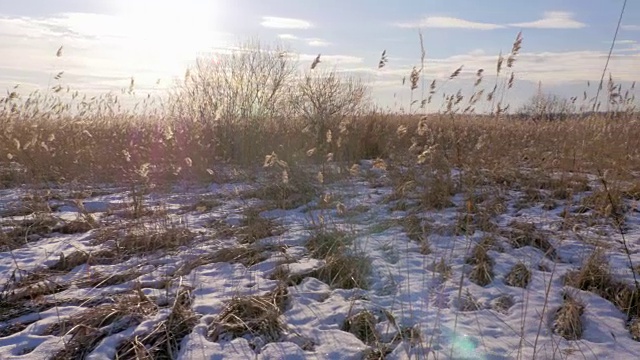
(406, 290)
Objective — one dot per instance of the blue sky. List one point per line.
(108, 41)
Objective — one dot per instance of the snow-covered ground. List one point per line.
(406, 288)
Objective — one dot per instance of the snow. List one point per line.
(404, 282)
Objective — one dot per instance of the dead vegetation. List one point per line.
(363, 326)
(296, 191)
(344, 266)
(99, 280)
(482, 271)
(256, 227)
(595, 275)
(247, 255)
(523, 234)
(163, 340)
(27, 230)
(88, 327)
(140, 239)
(503, 304)
(69, 262)
(518, 276)
(203, 204)
(254, 316)
(567, 321)
(467, 302)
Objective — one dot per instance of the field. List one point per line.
(301, 223)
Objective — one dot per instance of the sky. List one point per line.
(107, 42)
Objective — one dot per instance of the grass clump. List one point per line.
(525, 234)
(343, 268)
(503, 303)
(69, 262)
(254, 316)
(518, 276)
(345, 271)
(141, 240)
(255, 227)
(325, 243)
(606, 203)
(363, 326)
(437, 192)
(99, 280)
(416, 231)
(163, 341)
(595, 276)
(90, 326)
(482, 271)
(76, 227)
(203, 205)
(468, 302)
(27, 230)
(567, 320)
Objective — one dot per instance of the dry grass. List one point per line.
(327, 243)
(503, 304)
(27, 230)
(567, 320)
(88, 327)
(140, 239)
(634, 329)
(345, 271)
(256, 227)
(255, 316)
(69, 262)
(595, 275)
(344, 266)
(525, 234)
(467, 302)
(163, 341)
(363, 326)
(518, 276)
(482, 271)
(99, 280)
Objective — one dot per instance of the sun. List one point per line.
(169, 33)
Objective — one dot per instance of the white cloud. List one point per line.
(331, 59)
(631, 27)
(477, 52)
(449, 23)
(287, 37)
(317, 42)
(553, 20)
(285, 23)
(624, 42)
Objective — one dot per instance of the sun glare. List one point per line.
(170, 33)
